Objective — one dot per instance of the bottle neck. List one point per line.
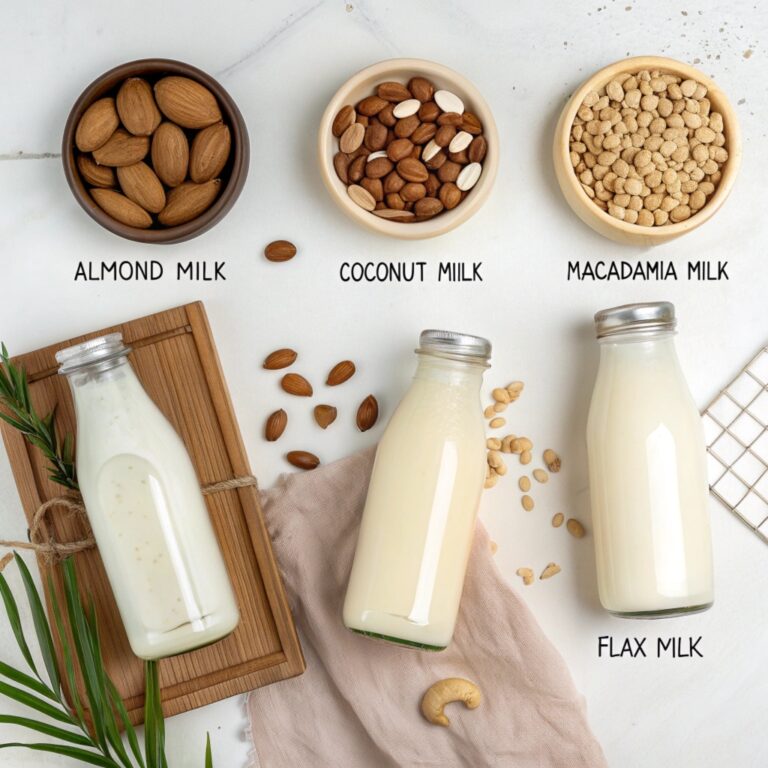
(450, 371)
(102, 375)
(639, 346)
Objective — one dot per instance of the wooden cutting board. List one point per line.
(175, 358)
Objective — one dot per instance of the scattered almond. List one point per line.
(550, 571)
(136, 107)
(276, 424)
(526, 574)
(302, 459)
(186, 102)
(540, 475)
(295, 384)
(575, 528)
(367, 413)
(340, 373)
(280, 250)
(557, 520)
(552, 460)
(325, 415)
(96, 125)
(280, 358)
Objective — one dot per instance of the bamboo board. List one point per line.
(175, 358)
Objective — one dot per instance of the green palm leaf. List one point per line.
(49, 730)
(91, 758)
(14, 619)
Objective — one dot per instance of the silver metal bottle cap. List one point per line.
(457, 345)
(103, 349)
(648, 317)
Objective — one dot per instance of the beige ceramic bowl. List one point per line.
(601, 221)
(364, 84)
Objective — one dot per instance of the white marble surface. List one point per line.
(281, 62)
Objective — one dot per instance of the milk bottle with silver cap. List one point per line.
(647, 468)
(143, 501)
(419, 517)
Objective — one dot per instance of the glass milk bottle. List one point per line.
(144, 504)
(647, 468)
(419, 516)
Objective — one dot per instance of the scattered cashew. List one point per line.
(444, 692)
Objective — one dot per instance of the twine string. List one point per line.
(42, 542)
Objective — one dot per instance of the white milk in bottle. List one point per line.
(144, 504)
(647, 467)
(419, 517)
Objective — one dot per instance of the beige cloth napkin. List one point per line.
(357, 705)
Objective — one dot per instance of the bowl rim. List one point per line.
(230, 191)
(671, 66)
(446, 220)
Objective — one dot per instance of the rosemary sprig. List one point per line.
(42, 692)
(39, 430)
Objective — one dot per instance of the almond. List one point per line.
(367, 413)
(341, 166)
(391, 91)
(186, 102)
(210, 150)
(344, 118)
(122, 149)
(302, 459)
(371, 106)
(120, 208)
(188, 201)
(450, 195)
(275, 426)
(421, 89)
(140, 184)
(471, 123)
(280, 250)
(575, 528)
(170, 154)
(325, 415)
(96, 175)
(340, 373)
(96, 125)
(297, 385)
(280, 358)
(412, 170)
(352, 138)
(136, 107)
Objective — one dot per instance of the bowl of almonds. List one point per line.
(408, 148)
(155, 151)
(646, 150)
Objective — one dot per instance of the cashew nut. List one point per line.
(444, 692)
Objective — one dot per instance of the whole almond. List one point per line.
(371, 106)
(391, 91)
(429, 112)
(209, 153)
(352, 138)
(387, 116)
(186, 102)
(280, 250)
(96, 175)
(170, 154)
(120, 208)
(96, 125)
(122, 148)
(275, 426)
(398, 149)
(340, 373)
(188, 201)
(412, 170)
(280, 358)
(427, 206)
(374, 187)
(470, 123)
(407, 126)
(367, 413)
(378, 168)
(302, 459)
(136, 107)
(450, 195)
(478, 149)
(325, 415)
(344, 118)
(393, 182)
(413, 191)
(375, 136)
(424, 133)
(356, 169)
(140, 184)
(450, 118)
(297, 385)
(341, 166)
(421, 89)
(444, 135)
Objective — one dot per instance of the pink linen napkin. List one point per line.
(357, 705)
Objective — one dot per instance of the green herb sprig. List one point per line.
(39, 430)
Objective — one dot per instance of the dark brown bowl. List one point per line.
(233, 176)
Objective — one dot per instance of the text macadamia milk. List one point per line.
(647, 467)
(419, 517)
(144, 504)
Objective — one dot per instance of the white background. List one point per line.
(282, 62)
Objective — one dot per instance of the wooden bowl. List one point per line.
(600, 220)
(233, 176)
(364, 84)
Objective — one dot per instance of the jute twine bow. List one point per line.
(42, 542)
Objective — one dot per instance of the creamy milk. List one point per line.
(648, 481)
(149, 519)
(419, 516)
